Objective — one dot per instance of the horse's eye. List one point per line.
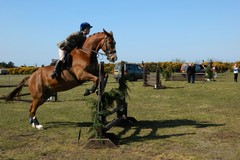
(112, 43)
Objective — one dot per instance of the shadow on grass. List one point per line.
(151, 125)
(154, 125)
(49, 125)
(172, 87)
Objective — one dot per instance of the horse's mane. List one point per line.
(89, 38)
(95, 34)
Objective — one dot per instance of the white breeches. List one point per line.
(61, 54)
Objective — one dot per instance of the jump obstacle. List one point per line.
(103, 138)
(151, 80)
(19, 96)
(183, 77)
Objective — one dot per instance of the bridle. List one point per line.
(106, 52)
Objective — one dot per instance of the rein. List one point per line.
(90, 50)
(98, 53)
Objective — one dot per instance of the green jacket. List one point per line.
(74, 40)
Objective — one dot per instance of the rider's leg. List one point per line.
(57, 69)
(58, 66)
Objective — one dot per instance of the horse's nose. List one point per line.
(114, 58)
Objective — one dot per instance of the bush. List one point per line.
(22, 70)
(167, 73)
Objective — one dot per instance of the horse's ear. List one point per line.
(105, 31)
(111, 33)
(108, 34)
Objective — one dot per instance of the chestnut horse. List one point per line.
(84, 68)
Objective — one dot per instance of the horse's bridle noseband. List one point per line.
(108, 51)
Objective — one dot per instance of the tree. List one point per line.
(5, 65)
(10, 65)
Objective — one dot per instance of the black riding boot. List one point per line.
(57, 70)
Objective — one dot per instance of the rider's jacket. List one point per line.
(74, 40)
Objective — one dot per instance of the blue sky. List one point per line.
(145, 30)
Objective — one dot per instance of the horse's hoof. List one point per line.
(87, 92)
(39, 127)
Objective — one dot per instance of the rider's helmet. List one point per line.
(84, 26)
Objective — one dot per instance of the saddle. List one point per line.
(67, 62)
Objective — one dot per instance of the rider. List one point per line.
(74, 40)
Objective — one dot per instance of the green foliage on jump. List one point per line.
(116, 96)
(167, 73)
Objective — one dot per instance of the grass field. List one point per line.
(183, 121)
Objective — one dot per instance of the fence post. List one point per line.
(144, 74)
(100, 91)
(158, 82)
(125, 105)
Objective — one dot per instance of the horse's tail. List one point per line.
(17, 90)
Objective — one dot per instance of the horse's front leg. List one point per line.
(85, 76)
(91, 90)
(95, 86)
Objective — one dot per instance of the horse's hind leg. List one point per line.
(32, 114)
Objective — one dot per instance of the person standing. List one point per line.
(214, 72)
(235, 72)
(191, 73)
(74, 40)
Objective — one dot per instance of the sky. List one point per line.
(144, 30)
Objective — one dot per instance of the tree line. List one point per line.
(7, 65)
(109, 67)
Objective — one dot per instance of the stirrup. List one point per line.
(54, 75)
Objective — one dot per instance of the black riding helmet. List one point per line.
(84, 26)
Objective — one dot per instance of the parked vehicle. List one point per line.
(198, 68)
(132, 71)
(3, 71)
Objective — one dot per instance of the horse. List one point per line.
(84, 67)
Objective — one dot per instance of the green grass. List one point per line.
(183, 121)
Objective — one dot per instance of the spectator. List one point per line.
(235, 72)
(214, 72)
(191, 73)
